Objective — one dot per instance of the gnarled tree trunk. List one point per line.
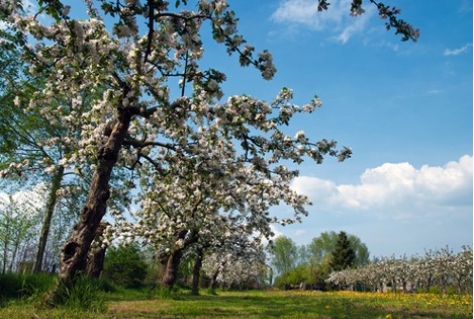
(73, 258)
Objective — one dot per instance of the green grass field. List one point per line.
(260, 304)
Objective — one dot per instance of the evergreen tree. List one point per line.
(343, 255)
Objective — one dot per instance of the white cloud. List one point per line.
(300, 232)
(376, 42)
(316, 189)
(336, 19)
(393, 188)
(458, 51)
(32, 198)
(357, 26)
(301, 11)
(396, 208)
(276, 232)
(434, 91)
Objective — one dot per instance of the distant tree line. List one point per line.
(309, 266)
(436, 270)
(341, 261)
(20, 223)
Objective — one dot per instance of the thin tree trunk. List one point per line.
(394, 286)
(15, 251)
(5, 260)
(6, 242)
(443, 285)
(428, 284)
(458, 286)
(213, 284)
(73, 257)
(197, 271)
(55, 185)
(404, 286)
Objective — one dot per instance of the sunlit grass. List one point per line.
(264, 304)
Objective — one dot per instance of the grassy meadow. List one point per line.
(255, 304)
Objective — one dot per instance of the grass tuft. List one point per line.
(82, 293)
(14, 287)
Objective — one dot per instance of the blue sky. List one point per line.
(404, 108)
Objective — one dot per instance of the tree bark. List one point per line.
(96, 256)
(55, 185)
(73, 257)
(197, 271)
(171, 265)
(171, 261)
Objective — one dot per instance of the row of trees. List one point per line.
(236, 262)
(311, 265)
(441, 268)
(91, 111)
(17, 228)
(132, 266)
(21, 216)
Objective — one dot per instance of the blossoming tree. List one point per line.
(442, 268)
(230, 268)
(38, 146)
(135, 119)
